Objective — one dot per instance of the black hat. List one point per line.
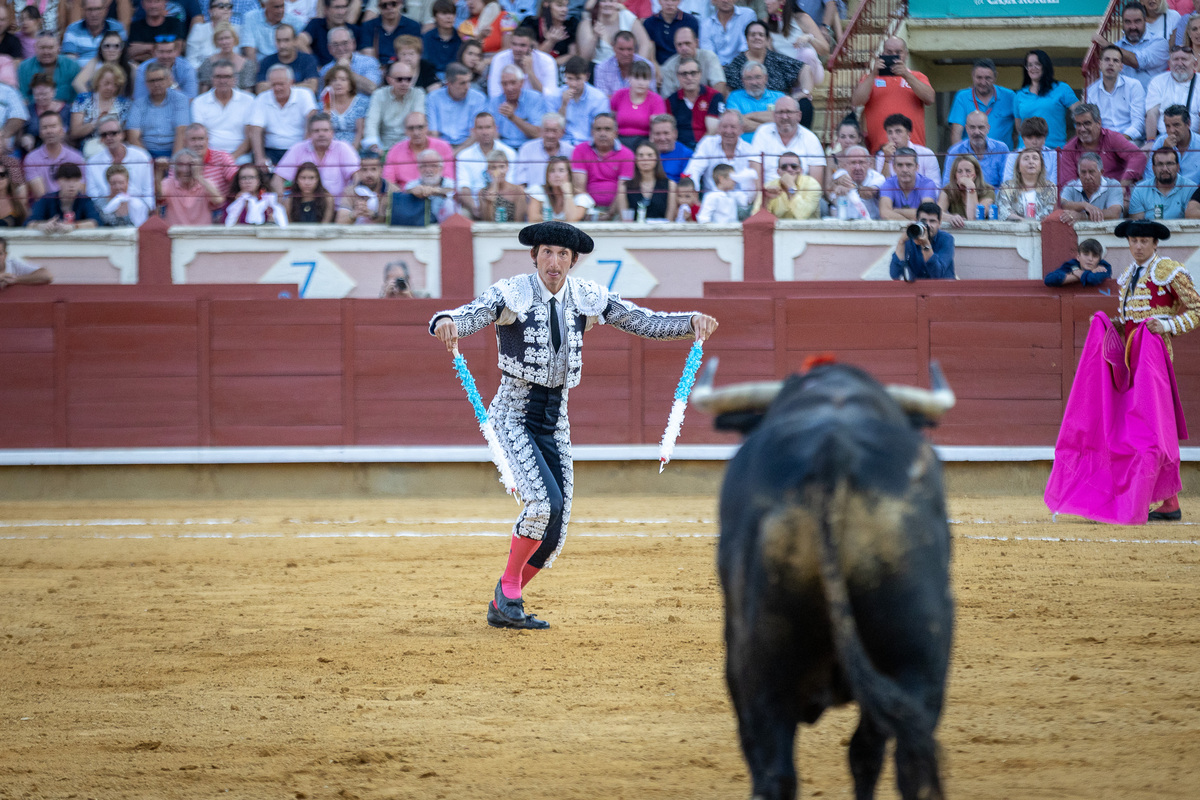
(556, 233)
(1143, 227)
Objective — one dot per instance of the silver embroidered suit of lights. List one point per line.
(526, 358)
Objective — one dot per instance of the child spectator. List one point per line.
(500, 200)
(67, 209)
(253, 203)
(119, 209)
(1089, 268)
(364, 207)
(721, 204)
(688, 198)
(308, 199)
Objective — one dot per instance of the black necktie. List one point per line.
(1137, 274)
(555, 333)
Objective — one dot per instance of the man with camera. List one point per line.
(396, 282)
(924, 251)
(890, 87)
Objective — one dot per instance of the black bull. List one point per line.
(834, 558)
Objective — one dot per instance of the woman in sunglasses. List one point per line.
(113, 50)
(106, 97)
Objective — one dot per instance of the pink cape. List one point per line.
(1118, 449)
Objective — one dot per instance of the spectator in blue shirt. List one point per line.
(902, 194)
(451, 109)
(315, 35)
(183, 74)
(754, 100)
(378, 35)
(258, 28)
(157, 122)
(366, 72)
(1089, 268)
(924, 250)
(723, 29)
(518, 111)
(984, 95)
(68, 209)
(664, 135)
(662, 26)
(1164, 196)
(82, 37)
(581, 102)
(990, 153)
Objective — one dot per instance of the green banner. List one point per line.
(967, 9)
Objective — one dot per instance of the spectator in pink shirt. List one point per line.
(41, 163)
(636, 105)
(189, 197)
(598, 166)
(402, 165)
(218, 166)
(336, 160)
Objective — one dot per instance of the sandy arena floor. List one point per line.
(338, 650)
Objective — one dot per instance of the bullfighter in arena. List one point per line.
(1117, 453)
(540, 320)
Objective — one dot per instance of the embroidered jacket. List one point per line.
(1164, 290)
(523, 325)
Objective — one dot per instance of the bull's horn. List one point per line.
(931, 403)
(737, 397)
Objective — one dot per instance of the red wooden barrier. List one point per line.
(187, 365)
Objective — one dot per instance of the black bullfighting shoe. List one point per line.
(505, 612)
(1166, 516)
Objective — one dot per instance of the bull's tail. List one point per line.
(882, 699)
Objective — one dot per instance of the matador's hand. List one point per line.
(447, 331)
(704, 326)
(1156, 326)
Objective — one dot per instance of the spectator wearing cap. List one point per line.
(279, 117)
(48, 61)
(390, 105)
(305, 72)
(335, 161)
(517, 110)
(403, 164)
(182, 75)
(187, 196)
(155, 26)
(451, 109)
(379, 34)
(156, 122)
(115, 151)
(67, 209)
(471, 163)
(81, 39)
(259, 26)
(364, 69)
(224, 111)
(315, 36)
(41, 164)
(581, 102)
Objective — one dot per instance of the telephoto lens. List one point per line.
(916, 230)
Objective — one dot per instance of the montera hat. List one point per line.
(1143, 228)
(558, 234)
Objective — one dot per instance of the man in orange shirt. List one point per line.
(890, 87)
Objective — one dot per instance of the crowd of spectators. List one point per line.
(319, 111)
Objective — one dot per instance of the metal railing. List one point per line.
(1110, 29)
(872, 23)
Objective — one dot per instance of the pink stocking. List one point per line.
(519, 553)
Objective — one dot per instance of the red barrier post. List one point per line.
(154, 253)
(458, 258)
(758, 247)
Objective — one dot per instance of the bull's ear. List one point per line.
(741, 421)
